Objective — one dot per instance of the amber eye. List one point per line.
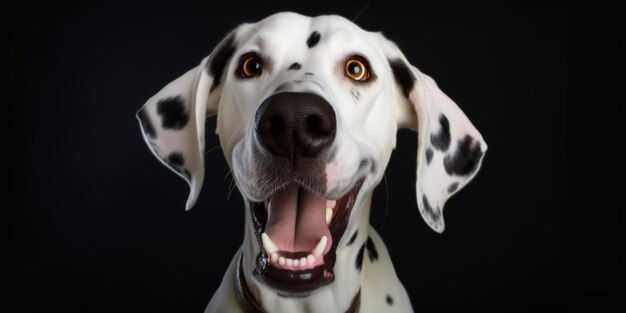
(251, 66)
(357, 70)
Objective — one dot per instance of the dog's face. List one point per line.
(308, 110)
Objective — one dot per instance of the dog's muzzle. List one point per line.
(297, 227)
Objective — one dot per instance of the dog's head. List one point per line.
(307, 114)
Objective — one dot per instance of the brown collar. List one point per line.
(250, 305)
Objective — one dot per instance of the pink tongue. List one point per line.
(297, 220)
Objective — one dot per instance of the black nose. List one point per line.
(294, 124)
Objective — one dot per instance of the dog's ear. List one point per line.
(449, 148)
(172, 121)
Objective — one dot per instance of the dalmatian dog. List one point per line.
(307, 113)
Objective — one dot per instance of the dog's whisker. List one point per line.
(231, 188)
(227, 174)
(363, 10)
(214, 148)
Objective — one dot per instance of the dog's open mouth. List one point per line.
(298, 231)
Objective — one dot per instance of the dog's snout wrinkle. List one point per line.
(306, 84)
(288, 86)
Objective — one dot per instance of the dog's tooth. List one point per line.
(329, 215)
(311, 259)
(289, 262)
(281, 260)
(302, 262)
(296, 262)
(274, 257)
(319, 249)
(269, 246)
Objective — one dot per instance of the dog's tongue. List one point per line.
(297, 220)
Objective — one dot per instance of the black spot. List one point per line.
(296, 66)
(309, 74)
(453, 187)
(219, 57)
(176, 158)
(173, 112)
(434, 215)
(355, 94)
(371, 249)
(404, 76)
(441, 140)
(389, 299)
(429, 155)
(466, 158)
(359, 258)
(146, 124)
(314, 38)
(353, 238)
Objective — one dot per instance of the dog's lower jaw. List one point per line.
(334, 297)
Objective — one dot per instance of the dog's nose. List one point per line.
(295, 124)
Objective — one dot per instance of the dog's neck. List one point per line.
(335, 297)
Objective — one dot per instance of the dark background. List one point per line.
(98, 224)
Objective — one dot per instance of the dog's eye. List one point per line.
(251, 66)
(357, 70)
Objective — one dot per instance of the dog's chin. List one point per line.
(298, 250)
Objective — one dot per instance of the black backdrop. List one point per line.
(99, 224)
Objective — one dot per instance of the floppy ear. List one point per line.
(449, 150)
(172, 121)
